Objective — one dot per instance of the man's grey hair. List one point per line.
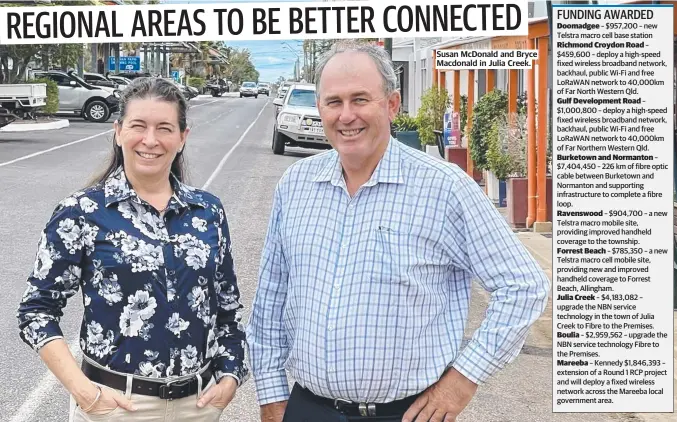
(378, 54)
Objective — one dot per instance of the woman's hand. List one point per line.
(108, 402)
(219, 395)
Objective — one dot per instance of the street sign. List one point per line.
(176, 76)
(127, 63)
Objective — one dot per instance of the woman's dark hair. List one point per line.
(147, 88)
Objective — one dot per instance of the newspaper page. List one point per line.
(469, 218)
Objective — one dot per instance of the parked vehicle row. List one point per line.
(80, 98)
(112, 81)
(94, 97)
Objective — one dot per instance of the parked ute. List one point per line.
(298, 122)
(20, 101)
(217, 87)
(80, 98)
(249, 89)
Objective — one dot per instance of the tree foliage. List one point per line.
(507, 146)
(485, 113)
(241, 69)
(430, 116)
(52, 103)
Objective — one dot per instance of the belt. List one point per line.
(165, 390)
(349, 408)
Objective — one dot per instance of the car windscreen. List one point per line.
(249, 85)
(302, 98)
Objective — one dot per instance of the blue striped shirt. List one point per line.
(366, 298)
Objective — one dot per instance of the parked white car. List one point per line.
(80, 98)
(298, 121)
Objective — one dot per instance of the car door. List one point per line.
(69, 95)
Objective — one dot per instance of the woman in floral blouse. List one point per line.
(161, 333)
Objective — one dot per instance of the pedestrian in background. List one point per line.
(161, 332)
(367, 270)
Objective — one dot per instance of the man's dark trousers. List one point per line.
(303, 406)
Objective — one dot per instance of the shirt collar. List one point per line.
(118, 189)
(388, 170)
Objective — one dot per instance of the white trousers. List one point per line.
(151, 409)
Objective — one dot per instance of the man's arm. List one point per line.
(484, 245)
(265, 331)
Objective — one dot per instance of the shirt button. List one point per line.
(337, 285)
(344, 245)
(331, 327)
(331, 369)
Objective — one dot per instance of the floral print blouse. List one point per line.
(160, 293)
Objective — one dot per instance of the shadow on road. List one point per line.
(301, 153)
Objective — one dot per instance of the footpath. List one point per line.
(540, 246)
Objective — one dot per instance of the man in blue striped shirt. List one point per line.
(366, 274)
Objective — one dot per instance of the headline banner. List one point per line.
(260, 21)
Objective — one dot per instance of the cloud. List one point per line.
(271, 60)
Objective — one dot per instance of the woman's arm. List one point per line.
(59, 359)
(56, 277)
(230, 335)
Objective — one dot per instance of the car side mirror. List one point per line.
(277, 101)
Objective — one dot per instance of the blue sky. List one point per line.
(271, 58)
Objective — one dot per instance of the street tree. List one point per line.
(241, 68)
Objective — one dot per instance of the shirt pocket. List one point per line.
(390, 255)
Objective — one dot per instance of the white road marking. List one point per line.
(35, 154)
(225, 157)
(200, 105)
(47, 383)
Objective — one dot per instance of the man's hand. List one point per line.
(443, 401)
(219, 395)
(273, 412)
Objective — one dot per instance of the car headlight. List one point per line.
(289, 118)
(116, 94)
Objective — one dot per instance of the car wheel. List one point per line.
(256, 96)
(240, 95)
(215, 94)
(278, 143)
(97, 111)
